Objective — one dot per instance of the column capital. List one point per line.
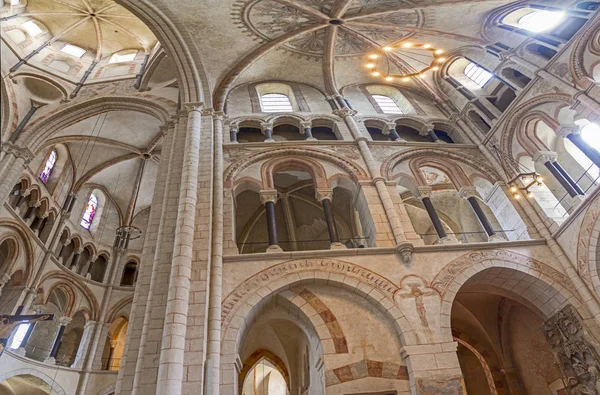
(565, 130)
(266, 125)
(268, 195)
(305, 125)
(388, 127)
(64, 321)
(219, 115)
(344, 112)
(424, 192)
(545, 156)
(193, 106)
(468, 192)
(22, 153)
(207, 112)
(324, 193)
(234, 127)
(426, 129)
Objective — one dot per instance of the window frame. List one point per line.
(386, 102)
(53, 155)
(287, 107)
(90, 221)
(477, 73)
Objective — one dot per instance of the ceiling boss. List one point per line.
(387, 62)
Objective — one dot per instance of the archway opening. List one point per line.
(25, 384)
(502, 333)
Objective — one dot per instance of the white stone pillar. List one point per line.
(171, 364)
(213, 348)
(378, 180)
(84, 344)
(14, 161)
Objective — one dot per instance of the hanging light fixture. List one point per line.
(525, 178)
(129, 232)
(423, 58)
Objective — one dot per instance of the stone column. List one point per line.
(289, 220)
(374, 171)
(75, 260)
(63, 321)
(425, 196)
(3, 281)
(390, 130)
(14, 161)
(212, 367)
(470, 195)
(84, 344)
(325, 196)
(433, 368)
(171, 363)
(233, 132)
(549, 160)
(573, 133)
(306, 129)
(37, 223)
(267, 130)
(268, 198)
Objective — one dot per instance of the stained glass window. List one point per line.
(90, 211)
(50, 162)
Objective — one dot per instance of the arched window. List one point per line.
(591, 134)
(90, 212)
(48, 167)
(477, 74)
(541, 20)
(276, 102)
(387, 104)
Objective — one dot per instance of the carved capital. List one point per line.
(468, 192)
(344, 112)
(324, 193)
(234, 127)
(545, 156)
(193, 106)
(388, 127)
(64, 321)
(426, 129)
(268, 195)
(424, 192)
(565, 130)
(405, 250)
(266, 125)
(305, 125)
(18, 152)
(220, 115)
(207, 112)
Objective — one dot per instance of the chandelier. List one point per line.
(422, 57)
(525, 178)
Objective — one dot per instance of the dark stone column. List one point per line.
(425, 196)
(470, 193)
(269, 198)
(36, 225)
(233, 131)
(307, 129)
(433, 136)
(29, 213)
(267, 129)
(390, 130)
(589, 151)
(564, 181)
(325, 196)
(64, 321)
(34, 107)
(20, 201)
(75, 259)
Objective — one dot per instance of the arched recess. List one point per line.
(39, 131)
(67, 280)
(353, 169)
(55, 388)
(24, 257)
(521, 277)
(192, 80)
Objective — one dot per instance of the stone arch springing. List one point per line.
(56, 388)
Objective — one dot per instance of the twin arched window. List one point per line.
(276, 102)
(477, 74)
(90, 212)
(387, 104)
(48, 167)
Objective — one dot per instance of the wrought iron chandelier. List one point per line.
(525, 178)
(422, 57)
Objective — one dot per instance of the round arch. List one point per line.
(56, 388)
(15, 232)
(524, 272)
(314, 168)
